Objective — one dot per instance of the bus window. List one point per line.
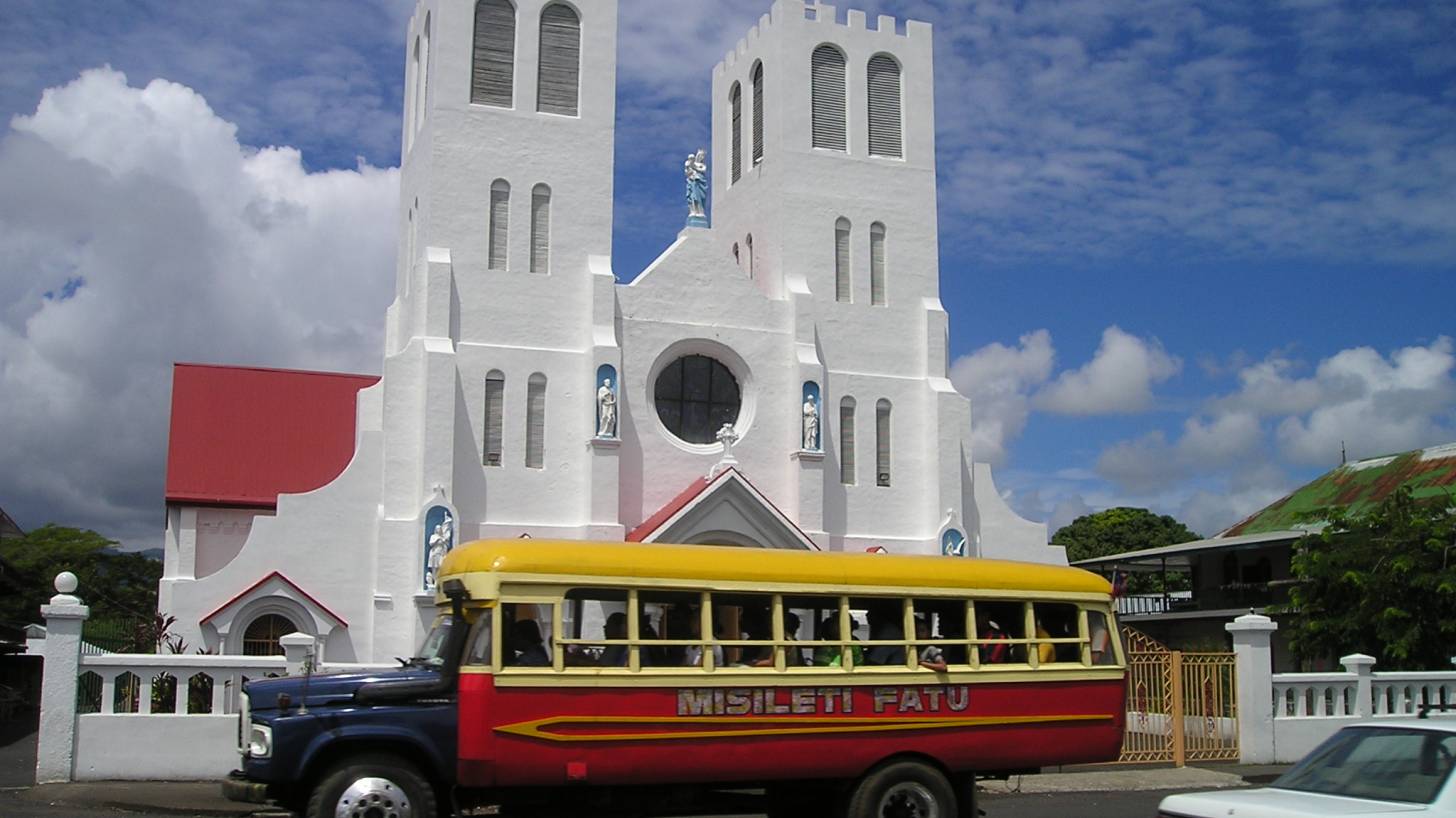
(886, 618)
(1057, 633)
(669, 617)
(594, 620)
(818, 618)
(1102, 638)
(944, 622)
(998, 624)
(477, 649)
(526, 630)
(747, 628)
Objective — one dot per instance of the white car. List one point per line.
(1386, 768)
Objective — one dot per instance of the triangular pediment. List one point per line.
(727, 510)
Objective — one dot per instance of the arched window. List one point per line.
(757, 77)
(842, 291)
(422, 97)
(884, 98)
(495, 406)
(262, 634)
(536, 421)
(748, 240)
(882, 442)
(559, 77)
(735, 107)
(500, 221)
(541, 229)
(846, 441)
(493, 59)
(827, 92)
(412, 93)
(877, 264)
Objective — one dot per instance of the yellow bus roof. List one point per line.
(710, 563)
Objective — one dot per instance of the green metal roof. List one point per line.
(1358, 487)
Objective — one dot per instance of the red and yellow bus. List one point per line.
(844, 684)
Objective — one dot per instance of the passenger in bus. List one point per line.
(793, 656)
(650, 655)
(616, 628)
(954, 627)
(693, 655)
(755, 627)
(986, 628)
(931, 656)
(884, 626)
(1046, 652)
(527, 646)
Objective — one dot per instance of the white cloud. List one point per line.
(1118, 379)
(998, 380)
(136, 231)
(1151, 463)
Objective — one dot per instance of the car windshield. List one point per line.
(1382, 763)
(432, 650)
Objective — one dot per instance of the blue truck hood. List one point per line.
(326, 688)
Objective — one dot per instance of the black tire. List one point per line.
(375, 785)
(903, 789)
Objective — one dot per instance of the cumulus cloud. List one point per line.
(998, 380)
(1151, 462)
(1118, 379)
(135, 231)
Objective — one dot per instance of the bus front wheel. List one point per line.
(373, 786)
(903, 789)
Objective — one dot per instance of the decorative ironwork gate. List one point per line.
(1180, 706)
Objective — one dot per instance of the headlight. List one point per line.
(260, 741)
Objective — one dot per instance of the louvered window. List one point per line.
(500, 221)
(884, 95)
(495, 403)
(413, 89)
(560, 74)
(757, 113)
(828, 98)
(748, 240)
(846, 441)
(541, 229)
(536, 421)
(735, 106)
(882, 443)
(423, 98)
(877, 264)
(493, 60)
(841, 261)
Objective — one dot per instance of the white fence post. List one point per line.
(56, 744)
(1253, 662)
(298, 649)
(1363, 668)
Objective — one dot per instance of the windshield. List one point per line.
(432, 650)
(1383, 763)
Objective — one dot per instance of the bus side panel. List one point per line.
(544, 735)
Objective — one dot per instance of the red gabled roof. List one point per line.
(244, 435)
(673, 506)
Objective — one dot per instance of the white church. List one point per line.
(776, 378)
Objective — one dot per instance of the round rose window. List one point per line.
(695, 395)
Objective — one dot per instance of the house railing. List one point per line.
(97, 710)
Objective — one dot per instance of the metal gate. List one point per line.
(1181, 706)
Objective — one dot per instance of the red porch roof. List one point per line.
(244, 435)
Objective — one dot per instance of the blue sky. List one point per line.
(1187, 248)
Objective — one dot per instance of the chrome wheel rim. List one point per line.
(909, 799)
(373, 798)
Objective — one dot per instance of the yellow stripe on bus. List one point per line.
(790, 726)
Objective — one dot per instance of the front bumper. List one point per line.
(236, 787)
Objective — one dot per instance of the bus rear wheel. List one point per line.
(373, 786)
(903, 789)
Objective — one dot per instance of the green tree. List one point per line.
(1123, 529)
(115, 584)
(1382, 583)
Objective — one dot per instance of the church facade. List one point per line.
(776, 378)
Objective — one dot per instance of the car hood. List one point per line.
(1271, 802)
(326, 688)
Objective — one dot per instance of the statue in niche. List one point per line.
(811, 425)
(606, 409)
(695, 170)
(441, 541)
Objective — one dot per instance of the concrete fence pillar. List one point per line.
(298, 652)
(56, 743)
(1254, 664)
(1364, 669)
